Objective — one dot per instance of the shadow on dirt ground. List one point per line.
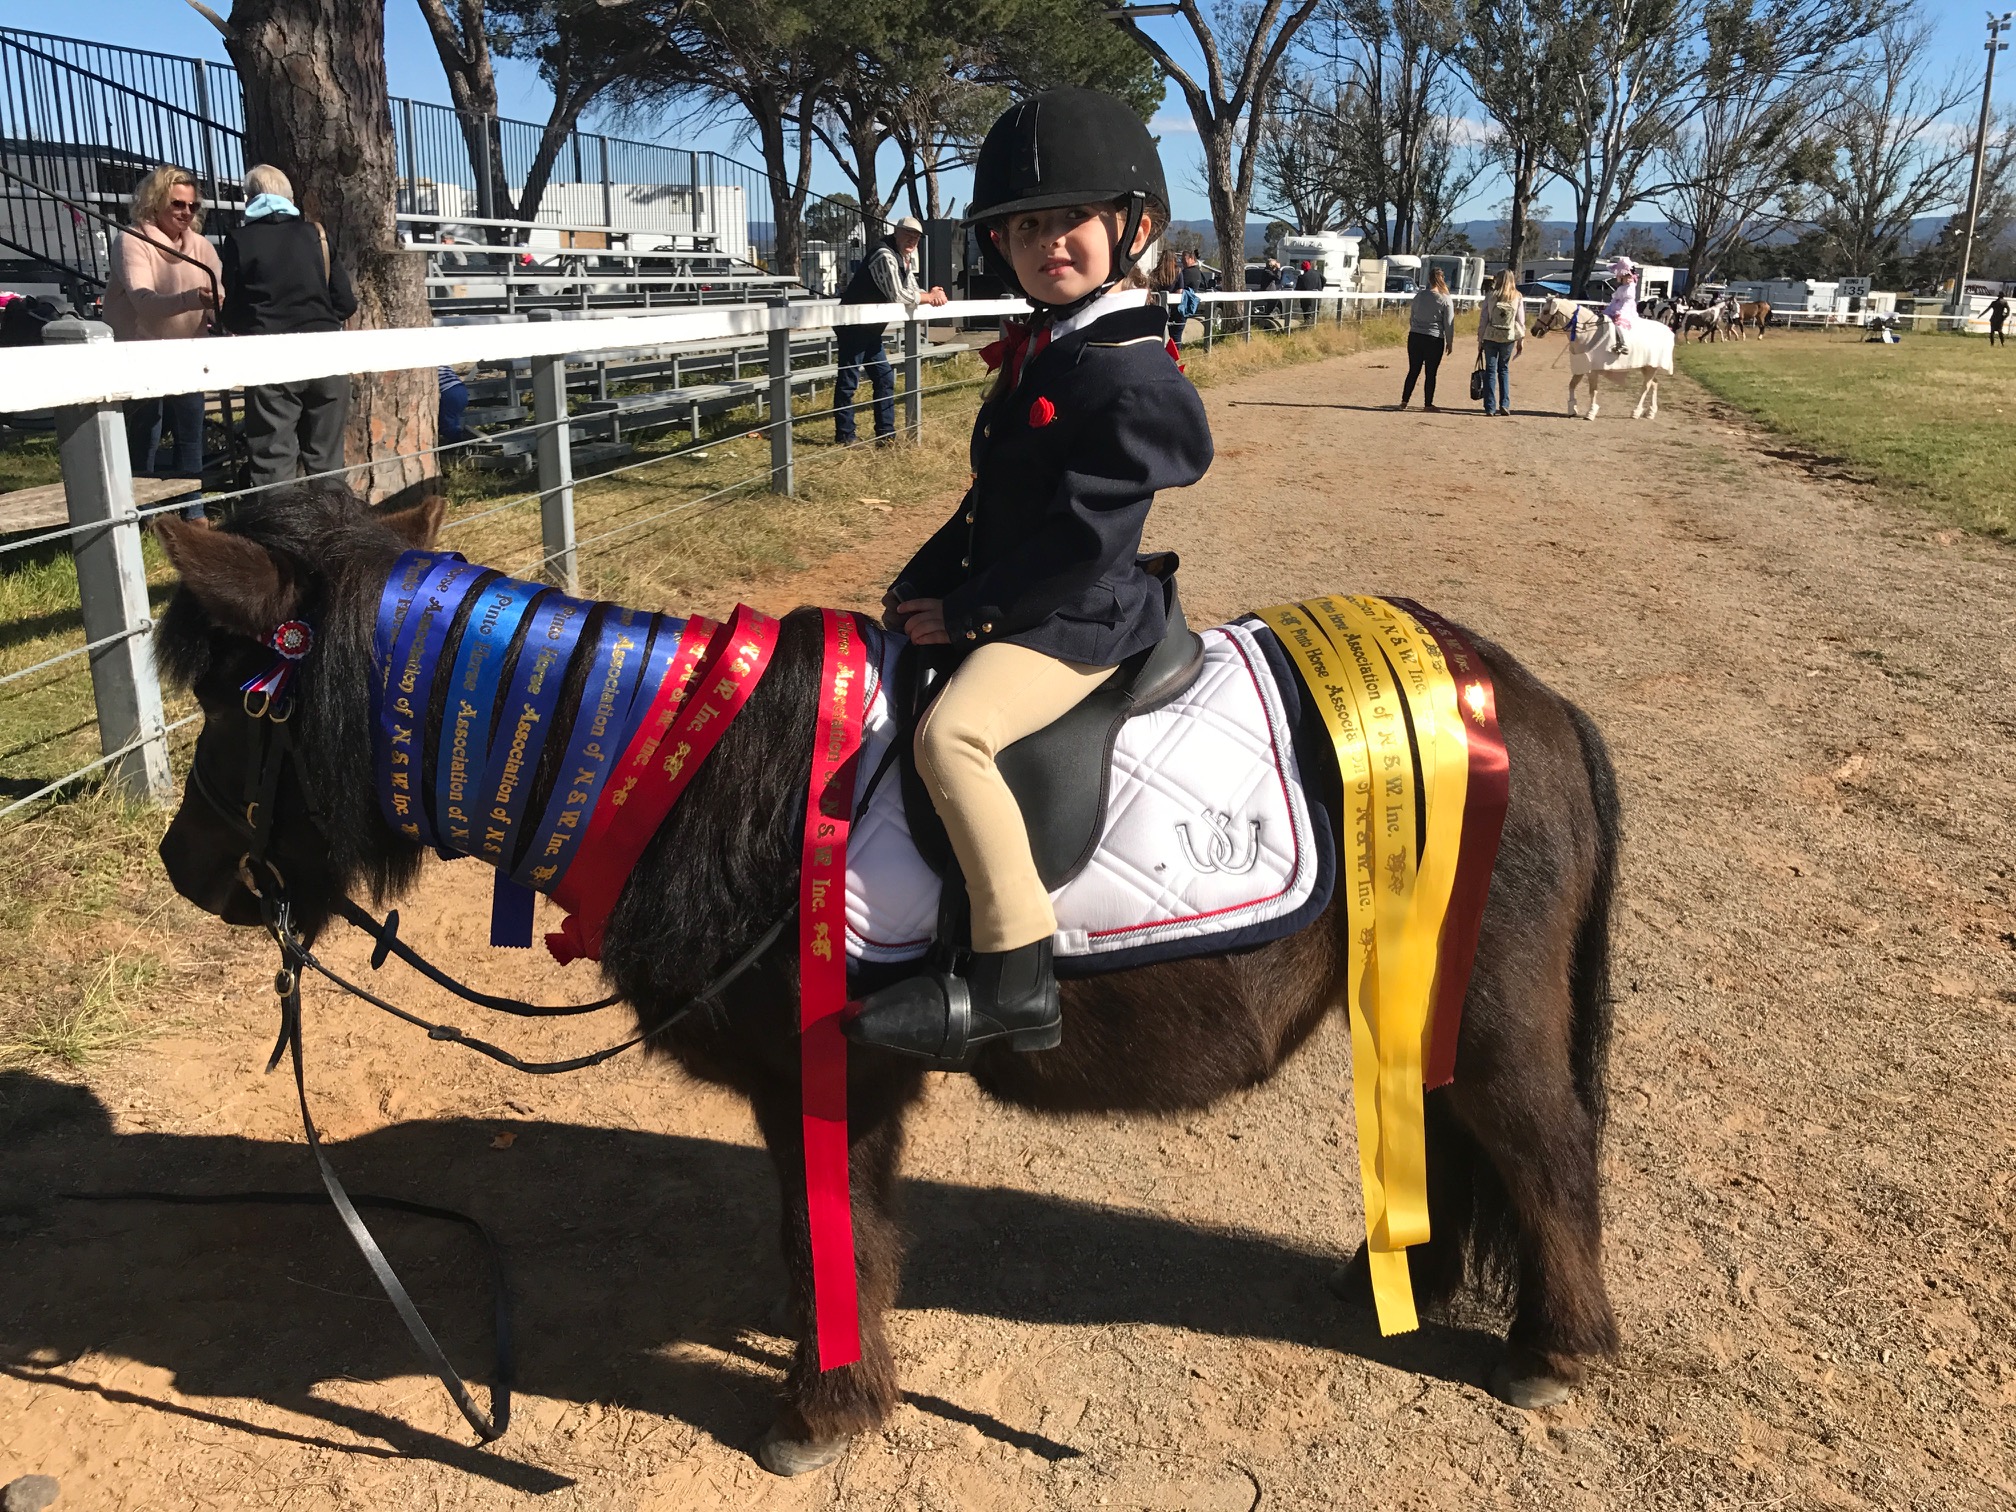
(623, 1248)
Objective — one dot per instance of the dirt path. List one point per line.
(1810, 1169)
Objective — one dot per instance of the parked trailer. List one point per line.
(1334, 254)
(1655, 280)
(1465, 274)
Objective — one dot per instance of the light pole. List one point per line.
(1996, 26)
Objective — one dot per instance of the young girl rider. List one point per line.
(1034, 580)
(1623, 306)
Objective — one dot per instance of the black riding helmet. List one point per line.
(1065, 147)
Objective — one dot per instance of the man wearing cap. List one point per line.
(884, 277)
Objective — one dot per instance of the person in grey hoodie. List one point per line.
(1431, 336)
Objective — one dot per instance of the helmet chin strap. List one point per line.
(1123, 261)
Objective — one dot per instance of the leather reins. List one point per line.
(274, 751)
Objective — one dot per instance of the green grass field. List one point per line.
(1931, 420)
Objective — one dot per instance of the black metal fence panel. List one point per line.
(85, 120)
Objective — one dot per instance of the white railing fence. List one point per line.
(85, 378)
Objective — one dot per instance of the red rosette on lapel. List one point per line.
(1041, 413)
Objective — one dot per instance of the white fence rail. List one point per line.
(85, 378)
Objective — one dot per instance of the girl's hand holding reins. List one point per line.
(924, 621)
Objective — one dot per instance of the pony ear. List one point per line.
(415, 521)
(242, 585)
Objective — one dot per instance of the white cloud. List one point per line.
(1165, 123)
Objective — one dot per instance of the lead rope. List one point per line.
(295, 955)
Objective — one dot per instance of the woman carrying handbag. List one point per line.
(1501, 333)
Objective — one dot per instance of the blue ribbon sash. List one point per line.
(524, 718)
(470, 713)
(635, 654)
(499, 706)
(421, 637)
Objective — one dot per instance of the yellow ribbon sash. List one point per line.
(1374, 673)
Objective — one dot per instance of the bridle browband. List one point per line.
(274, 751)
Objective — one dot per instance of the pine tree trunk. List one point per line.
(316, 107)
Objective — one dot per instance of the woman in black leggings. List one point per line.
(1431, 333)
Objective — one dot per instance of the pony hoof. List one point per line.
(1528, 1384)
(783, 1455)
(1351, 1282)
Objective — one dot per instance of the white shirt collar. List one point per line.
(1104, 305)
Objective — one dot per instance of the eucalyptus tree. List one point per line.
(1519, 60)
(1624, 100)
(1742, 164)
(1243, 47)
(1395, 115)
(1300, 174)
(1896, 153)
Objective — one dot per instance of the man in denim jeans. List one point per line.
(884, 277)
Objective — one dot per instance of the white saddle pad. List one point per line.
(1207, 844)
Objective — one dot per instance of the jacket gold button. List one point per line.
(971, 636)
(965, 561)
(969, 517)
(987, 629)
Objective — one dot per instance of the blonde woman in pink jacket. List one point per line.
(153, 295)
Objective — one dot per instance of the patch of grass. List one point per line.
(92, 945)
(28, 462)
(1931, 420)
(46, 722)
(100, 1019)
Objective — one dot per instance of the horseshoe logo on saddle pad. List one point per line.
(1223, 850)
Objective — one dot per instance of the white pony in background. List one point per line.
(1648, 350)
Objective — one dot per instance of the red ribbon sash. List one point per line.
(645, 785)
(822, 989)
(1483, 817)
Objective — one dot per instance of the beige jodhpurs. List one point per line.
(999, 694)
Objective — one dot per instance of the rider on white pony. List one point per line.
(1623, 306)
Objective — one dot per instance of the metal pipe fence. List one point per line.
(86, 380)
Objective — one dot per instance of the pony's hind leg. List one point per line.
(1651, 389)
(823, 1410)
(1594, 389)
(1541, 1145)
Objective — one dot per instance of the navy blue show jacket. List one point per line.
(1042, 552)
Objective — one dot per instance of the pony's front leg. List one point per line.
(1638, 410)
(1574, 381)
(823, 1410)
(1594, 388)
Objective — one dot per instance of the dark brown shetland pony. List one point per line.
(1512, 1145)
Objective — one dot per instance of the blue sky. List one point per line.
(171, 26)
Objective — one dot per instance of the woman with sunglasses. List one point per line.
(153, 294)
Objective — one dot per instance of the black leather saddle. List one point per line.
(1059, 775)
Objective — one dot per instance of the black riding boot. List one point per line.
(1006, 995)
